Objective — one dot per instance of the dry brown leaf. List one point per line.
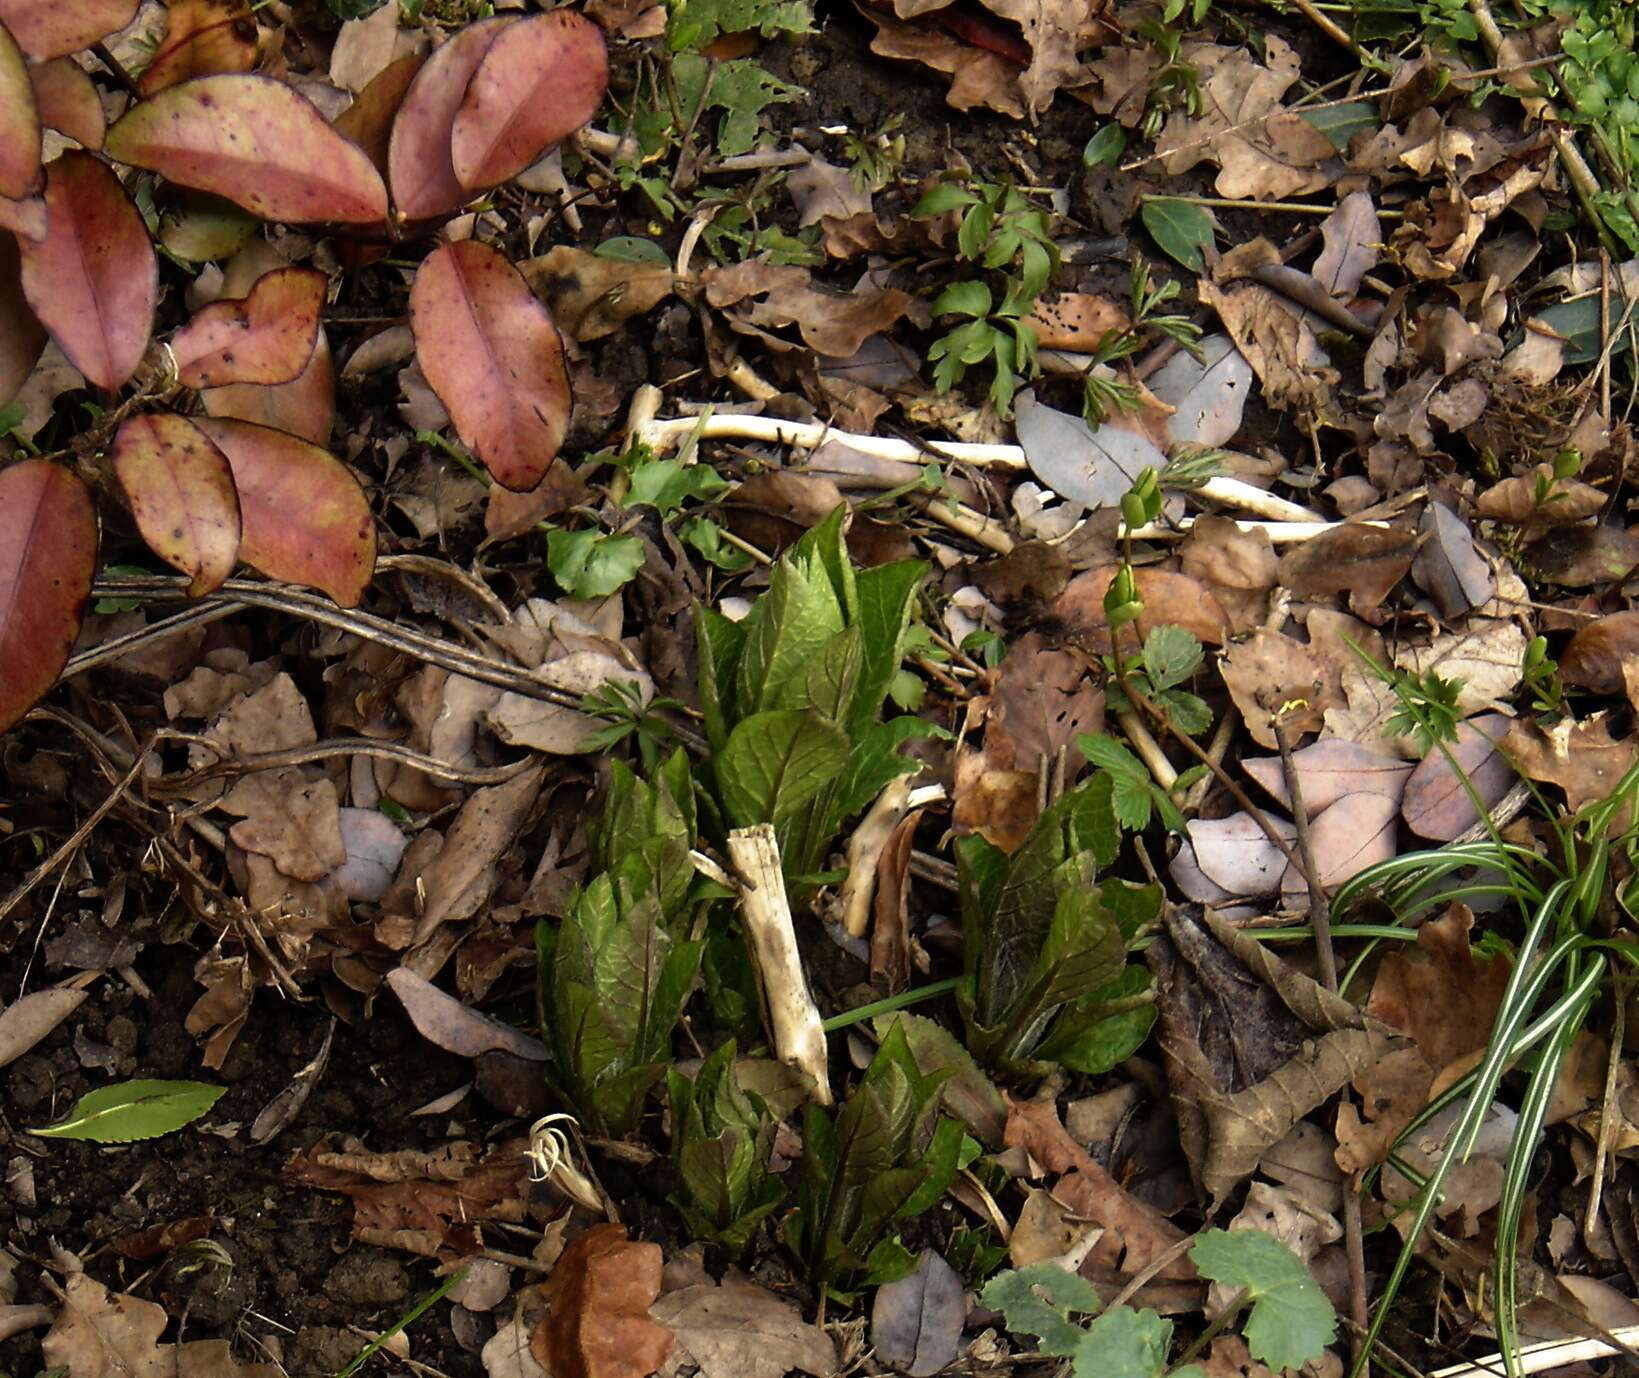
(1052, 29)
(1580, 757)
(1236, 854)
(1238, 567)
(592, 296)
(1596, 657)
(1042, 698)
(1328, 770)
(293, 821)
(742, 1330)
(1514, 500)
(1449, 567)
(1351, 243)
(1366, 562)
(599, 1325)
(1578, 557)
(1075, 321)
(977, 78)
(1282, 349)
(1435, 804)
(1169, 598)
(769, 296)
(1353, 833)
(1270, 676)
(823, 191)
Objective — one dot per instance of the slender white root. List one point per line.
(1540, 1358)
(795, 1030)
(865, 851)
(1147, 748)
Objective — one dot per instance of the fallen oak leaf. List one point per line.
(742, 1330)
(600, 1294)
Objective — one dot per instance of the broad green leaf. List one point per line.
(887, 597)
(719, 644)
(492, 354)
(48, 558)
(969, 1095)
(592, 563)
(776, 762)
(630, 249)
(832, 677)
(302, 169)
(1105, 147)
(1123, 1343)
(666, 484)
(1291, 1321)
(947, 196)
(784, 631)
(874, 761)
(1182, 229)
(1132, 782)
(1340, 123)
(133, 1110)
(1578, 322)
(1086, 1041)
(1171, 655)
(1039, 1300)
(705, 537)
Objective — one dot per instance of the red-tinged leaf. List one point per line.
(202, 38)
(93, 279)
(538, 83)
(1436, 805)
(22, 337)
(255, 141)
(68, 101)
(19, 123)
(26, 218)
(305, 407)
(490, 351)
(368, 121)
(182, 496)
(304, 517)
(55, 28)
(266, 337)
(48, 555)
(419, 167)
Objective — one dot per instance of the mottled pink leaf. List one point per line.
(68, 101)
(255, 141)
(1330, 769)
(19, 123)
(492, 354)
(202, 38)
(1355, 832)
(93, 279)
(1436, 805)
(265, 337)
(305, 407)
(22, 337)
(419, 166)
(538, 83)
(182, 496)
(1236, 855)
(48, 555)
(305, 518)
(55, 28)
(26, 218)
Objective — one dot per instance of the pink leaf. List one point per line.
(266, 337)
(305, 518)
(1436, 805)
(26, 218)
(48, 555)
(418, 156)
(305, 406)
(1357, 831)
(22, 337)
(492, 354)
(255, 141)
(68, 101)
(19, 123)
(182, 496)
(368, 121)
(538, 83)
(55, 28)
(93, 279)
(202, 38)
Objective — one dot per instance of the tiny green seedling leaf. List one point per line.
(1105, 146)
(1291, 1321)
(1181, 228)
(133, 1110)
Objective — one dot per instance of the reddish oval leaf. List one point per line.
(48, 555)
(55, 28)
(68, 101)
(538, 83)
(305, 406)
(368, 121)
(492, 354)
(304, 517)
(1435, 804)
(1355, 832)
(255, 141)
(22, 337)
(93, 279)
(26, 218)
(182, 496)
(19, 123)
(419, 166)
(202, 38)
(266, 337)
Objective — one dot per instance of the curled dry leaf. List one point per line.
(978, 78)
(1357, 831)
(305, 406)
(1596, 657)
(53, 28)
(442, 1019)
(1330, 769)
(1435, 804)
(22, 337)
(599, 1325)
(68, 101)
(267, 337)
(304, 516)
(1366, 562)
(1270, 676)
(182, 497)
(1580, 757)
(419, 166)
(202, 38)
(93, 280)
(492, 354)
(48, 555)
(1514, 500)
(835, 324)
(19, 123)
(255, 141)
(539, 81)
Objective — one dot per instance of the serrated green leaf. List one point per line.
(1188, 712)
(1039, 1300)
(666, 484)
(785, 629)
(133, 1110)
(1182, 230)
(592, 563)
(966, 298)
(1123, 1343)
(1291, 1320)
(698, 22)
(1171, 655)
(776, 762)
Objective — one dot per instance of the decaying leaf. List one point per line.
(1354, 832)
(592, 296)
(1327, 770)
(599, 1325)
(445, 1021)
(741, 1330)
(1582, 758)
(1281, 348)
(1366, 562)
(182, 496)
(202, 37)
(978, 78)
(1273, 678)
(1448, 565)
(305, 407)
(19, 123)
(916, 1321)
(1236, 854)
(771, 296)
(1208, 394)
(68, 101)
(1435, 804)
(1351, 243)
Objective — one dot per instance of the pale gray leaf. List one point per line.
(1091, 467)
(1236, 854)
(444, 1020)
(1330, 769)
(1355, 832)
(1209, 393)
(916, 1323)
(1352, 240)
(1448, 567)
